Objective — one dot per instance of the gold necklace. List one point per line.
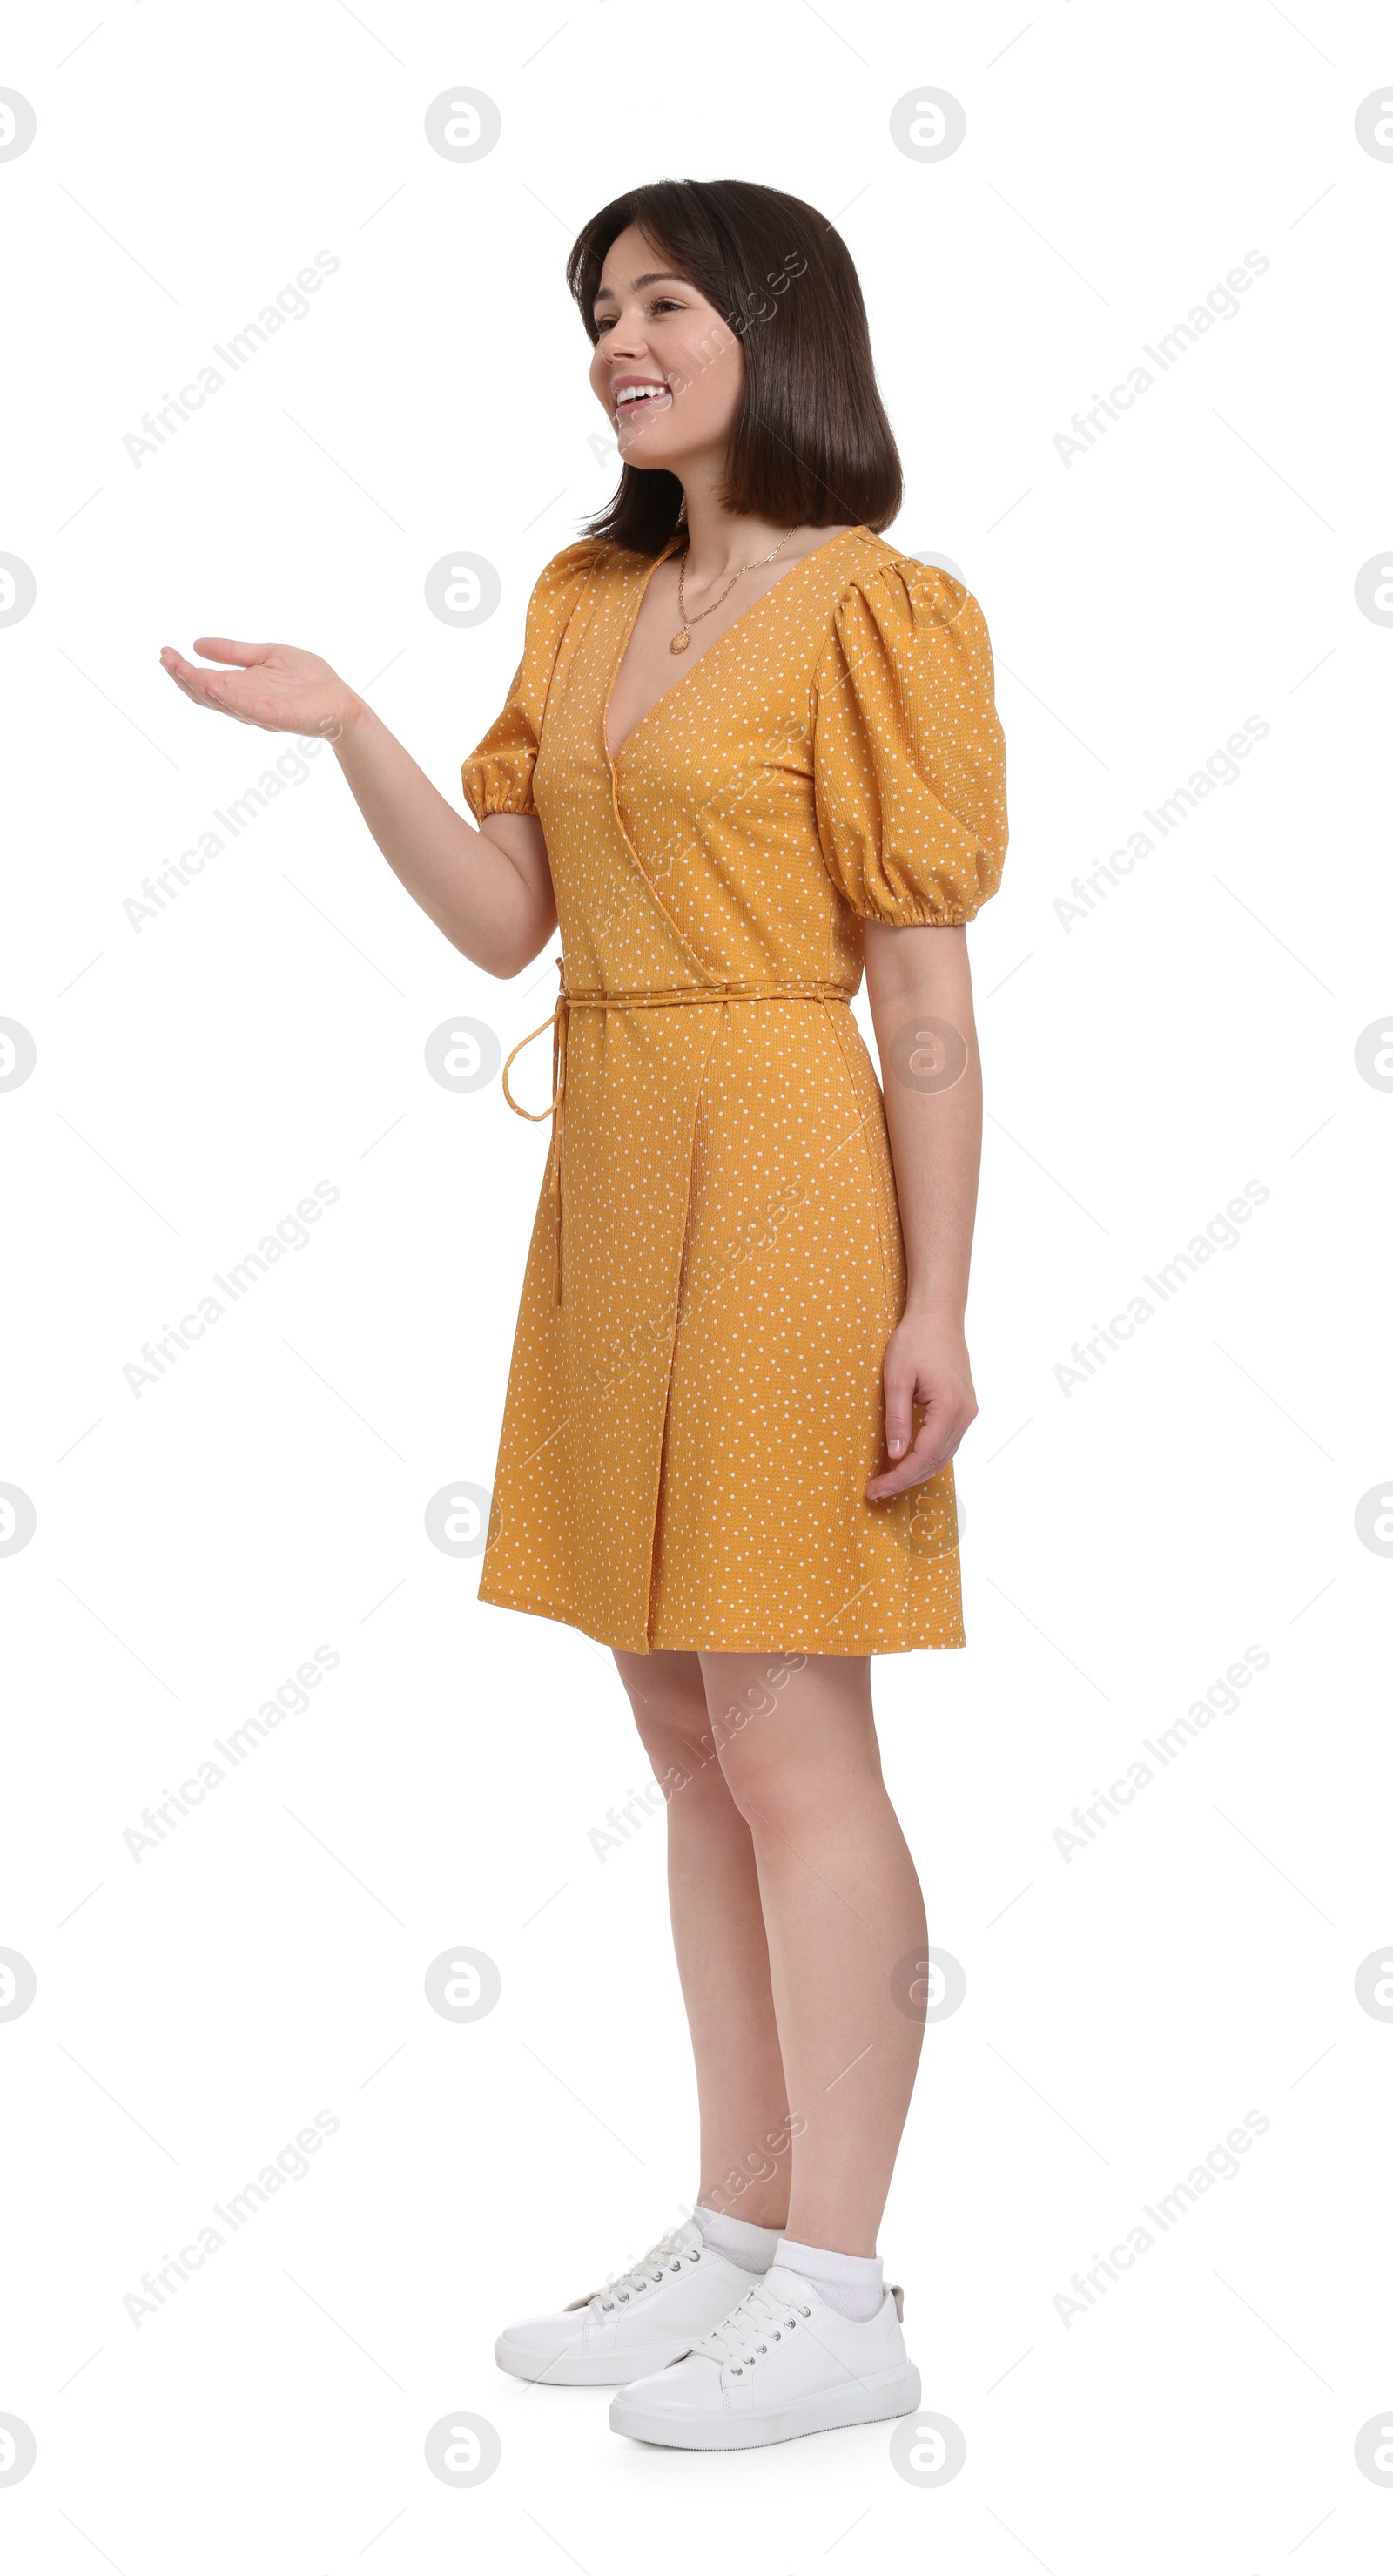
(683, 637)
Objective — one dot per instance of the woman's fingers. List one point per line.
(186, 673)
(215, 689)
(899, 1412)
(936, 1441)
(194, 683)
(924, 1364)
(225, 648)
(932, 1449)
(273, 686)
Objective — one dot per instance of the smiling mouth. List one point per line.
(636, 401)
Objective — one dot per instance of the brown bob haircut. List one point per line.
(811, 443)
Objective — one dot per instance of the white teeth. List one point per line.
(639, 393)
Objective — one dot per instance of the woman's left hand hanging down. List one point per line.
(920, 987)
(925, 1363)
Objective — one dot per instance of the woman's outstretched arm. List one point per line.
(920, 990)
(488, 890)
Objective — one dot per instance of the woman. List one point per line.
(750, 748)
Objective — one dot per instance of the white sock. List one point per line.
(853, 2284)
(752, 2248)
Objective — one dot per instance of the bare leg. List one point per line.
(841, 1907)
(718, 1934)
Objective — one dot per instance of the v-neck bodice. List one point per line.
(742, 826)
(700, 652)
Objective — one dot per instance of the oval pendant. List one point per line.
(680, 642)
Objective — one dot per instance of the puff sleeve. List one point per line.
(909, 761)
(497, 775)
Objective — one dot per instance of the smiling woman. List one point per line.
(750, 752)
(808, 439)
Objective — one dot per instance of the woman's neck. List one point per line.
(719, 539)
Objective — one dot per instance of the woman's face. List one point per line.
(667, 368)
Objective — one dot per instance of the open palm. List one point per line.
(274, 686)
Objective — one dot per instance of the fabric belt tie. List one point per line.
(793, 988)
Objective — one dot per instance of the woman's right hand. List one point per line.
(274, 686)
(490, 891)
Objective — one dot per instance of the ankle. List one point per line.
(858, 2242)
(772, 2214)
(750, 2216)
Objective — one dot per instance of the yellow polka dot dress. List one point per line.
(695, 1403)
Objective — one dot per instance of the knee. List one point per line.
(768, 1788)
(790, 1788)
(670, 1715)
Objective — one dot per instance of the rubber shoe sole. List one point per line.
(584, 2370)
(864, 2401)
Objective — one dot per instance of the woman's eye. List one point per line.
(660, 304)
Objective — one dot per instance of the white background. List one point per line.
(1125, 1541)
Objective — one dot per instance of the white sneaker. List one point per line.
(781, 2363)
(646, 2318)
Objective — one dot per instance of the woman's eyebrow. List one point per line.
(653, 277)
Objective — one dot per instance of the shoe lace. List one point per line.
(760, 2319)
(668, 2255)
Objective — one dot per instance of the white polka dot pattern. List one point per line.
(689, 1428)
